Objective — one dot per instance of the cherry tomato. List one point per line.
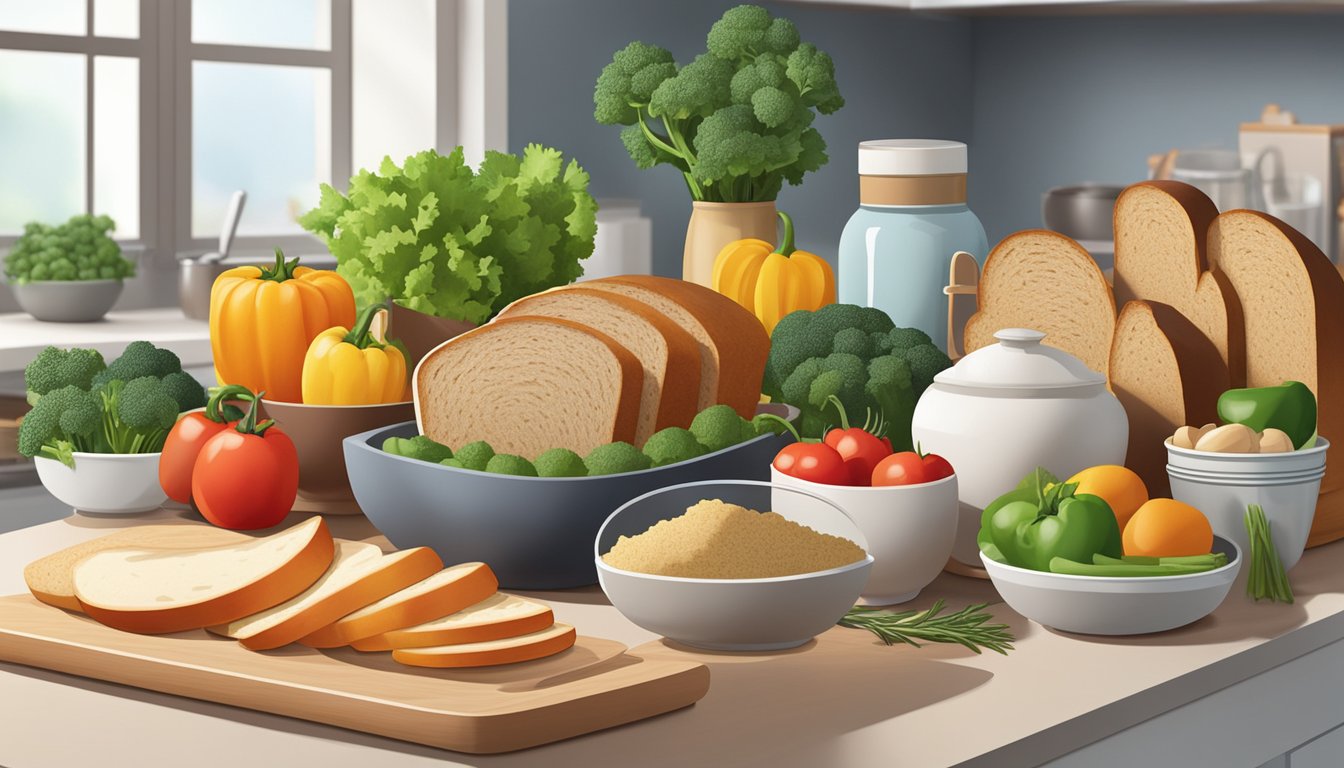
(814, 462)
(936, 467)
(861, 451)
(904, 468)
(246, 477)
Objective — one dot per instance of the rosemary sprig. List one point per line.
(966, 627)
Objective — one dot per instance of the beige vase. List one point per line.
(714, 225)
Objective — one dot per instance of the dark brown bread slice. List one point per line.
(1161, 232)
(528, 384)
(1167, 374)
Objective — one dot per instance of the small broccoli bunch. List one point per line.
(79, 249)
(81, 404)
(857, 354)
(736, 120)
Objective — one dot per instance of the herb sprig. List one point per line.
(1267, 577)
(966, 627)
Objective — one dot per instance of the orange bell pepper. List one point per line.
(771, 284)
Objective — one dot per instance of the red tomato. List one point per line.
(814, 462)
(180, 450)
(904, 468)
(861, 451)
(936, 467)
(246, 481)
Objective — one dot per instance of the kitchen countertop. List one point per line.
(1178, 698)
(22, 337)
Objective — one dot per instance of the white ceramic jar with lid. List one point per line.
(1008, 408)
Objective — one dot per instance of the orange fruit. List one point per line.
(1167, 528)
(1118, 486)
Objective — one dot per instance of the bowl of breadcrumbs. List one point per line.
(732, 565)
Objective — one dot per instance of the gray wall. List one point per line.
(900, 75)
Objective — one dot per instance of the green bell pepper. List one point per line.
(1061, 524)
(1031, 489)
(1290, 406)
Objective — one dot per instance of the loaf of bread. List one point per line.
(1047, 282)
(670, 356)
(1167, 374)
(1160, 255)
(1294, 307)
(528, 384)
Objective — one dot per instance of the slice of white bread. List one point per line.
(733, 343)
(1294, 305)
(497, 617)
(1167, 374)
(528, 384)
(359, 575)
(1047, 282)
(668, 353)
(51, 578)
(439, 595)
(155, 591)
(536, 645)
(1160, 255)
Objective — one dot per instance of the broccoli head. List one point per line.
(418, 447)
(137, 414)
(802, 334)
(508, 464)
(475, 455)
(64, 420)
(629, 81)
(672, 445)
(747, 31)
(186, 390)
(560, 462)
(54, 368)
(615, 459)
(813, 73)
(718, 427)
(140, 358)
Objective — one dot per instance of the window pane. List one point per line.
(116, 18)
(263, 129)
(286, 24)
(116, 142)
(53, 17)
(41, 137)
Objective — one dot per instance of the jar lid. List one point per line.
(911, 157)
(1020, 362)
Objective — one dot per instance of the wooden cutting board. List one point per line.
(596, 684)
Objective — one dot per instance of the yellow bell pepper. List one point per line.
(262, 320)
(354, 367)
(771, 284)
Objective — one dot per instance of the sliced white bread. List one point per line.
(155, 591)
(536, 645)
(669, 354)
(497, 617)
(439, 595)
(359, 575)
(1047, 282)
(1167, 374)
(528, 384)
(51, 578)
(1161, 230)
(733, 343)
(1294, 305)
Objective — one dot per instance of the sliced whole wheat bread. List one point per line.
(669, 354)
(1294, 300)
(1161, 229)
(1167, 374)
(1045, 281)
(528, 384)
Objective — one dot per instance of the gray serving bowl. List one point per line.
(67, 301)
(534, 532)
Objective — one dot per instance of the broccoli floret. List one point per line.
(139, 359)
(615, 459)
(926, 361)
(718, 427)
(906, 338)
(475, 455)
(672, 445)
(64, 420)
(560, 462)
(455, 463)
(418, 447)
(813, 72)
(137, 414)
(54, 368)
(508, 464)
(186, 390)
(802, 334)
(748, 30)
(697, 90)
(630, 79)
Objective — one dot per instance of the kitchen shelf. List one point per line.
(1071, 7)
(22, 337)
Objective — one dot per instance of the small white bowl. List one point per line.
(911, 530)
(1096, 605)
(732, 614)
(105, 483)
(1222, 485)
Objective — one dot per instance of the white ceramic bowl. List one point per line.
(1222, 485)
(105, 483)
(1094, 605)
(910, 531)
(732, 614)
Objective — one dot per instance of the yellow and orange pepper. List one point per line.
(772, 283)
(354, 367)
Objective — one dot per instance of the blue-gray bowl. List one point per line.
(534, 532)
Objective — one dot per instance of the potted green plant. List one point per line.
(736, 121)
(70, 272)
(451, 246)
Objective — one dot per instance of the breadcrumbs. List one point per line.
(714, 540)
